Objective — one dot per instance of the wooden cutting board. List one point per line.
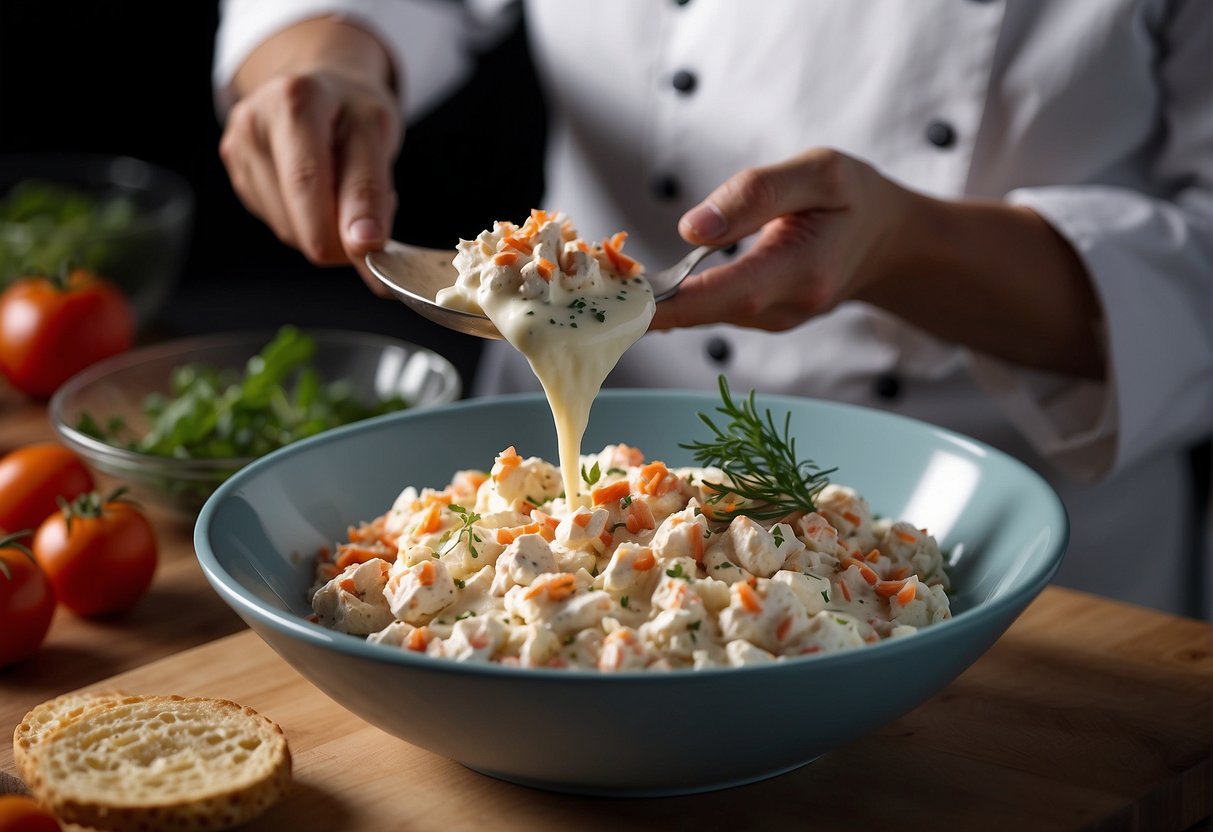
(1087, 715)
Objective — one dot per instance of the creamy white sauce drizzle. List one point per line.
(558, 306)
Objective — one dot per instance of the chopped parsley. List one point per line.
(623, 602)
(677, 572)
(592, 476)
(467, 531)
(777, 534)
(461, 583)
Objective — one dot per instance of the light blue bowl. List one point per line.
(632, 733)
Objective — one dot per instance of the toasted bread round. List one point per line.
(47, 717)
(160, 762)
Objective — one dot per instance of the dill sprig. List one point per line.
(759, 461)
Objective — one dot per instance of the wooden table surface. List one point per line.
(1087, 714)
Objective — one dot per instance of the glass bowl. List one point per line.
(135, 233)
(377, 367)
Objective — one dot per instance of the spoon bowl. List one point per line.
(415, 275)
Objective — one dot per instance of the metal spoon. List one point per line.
(415, 274)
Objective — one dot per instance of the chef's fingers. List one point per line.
(245, 152)
(815, 180)
(301, 142)
(366, 194)
(784, 280)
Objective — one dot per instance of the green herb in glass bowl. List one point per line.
(175, 419)
(217, 414)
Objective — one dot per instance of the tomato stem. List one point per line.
(12, 541)
(91, 504)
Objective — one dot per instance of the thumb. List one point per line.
(747, 201)
(366, 197)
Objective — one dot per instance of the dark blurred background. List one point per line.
(133, 78)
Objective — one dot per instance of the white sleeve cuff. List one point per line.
(1151, 265)
(433, 34)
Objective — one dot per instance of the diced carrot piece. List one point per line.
(812, 648)
(644, 561)
(865, 571)
(581, 245)
(431, 521)
(518, 244)
(781, 632)
(629, 455)
(748, 597)
(846, 590)
(582, 519)
(347, 555)
(887, 589)
(618, 238)
(443, 497)
(610, 493)
(873, 555)
(468, 482)
(908, 592)
(561, 587)
(534, 589)
(539, 216)
(418, 639)
(506, 460)
(607, 538)
(640, 517)
(899, 573)
(651, 476)
(546, 268)
(696, 533)
(425, 573)
(506, 536)
(851, 517)
(567, 232)
(328, 571)
(347, 584)
(905, 537)
(505, 258)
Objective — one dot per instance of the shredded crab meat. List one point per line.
(497, 567)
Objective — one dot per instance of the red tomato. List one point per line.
(26, 603)
(52, 328)
(31, 478)
(22, 814)
(99, 555)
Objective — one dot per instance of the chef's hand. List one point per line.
(310, 143)
(989, 275)
(827, 226)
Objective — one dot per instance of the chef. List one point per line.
(996, 216)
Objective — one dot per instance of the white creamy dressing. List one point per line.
(572, 323)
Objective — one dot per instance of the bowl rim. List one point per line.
(246, 604)
(179, 346)
(178, 205)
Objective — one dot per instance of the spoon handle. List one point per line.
(665, 283)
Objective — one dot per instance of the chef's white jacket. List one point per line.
(1098, 114)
